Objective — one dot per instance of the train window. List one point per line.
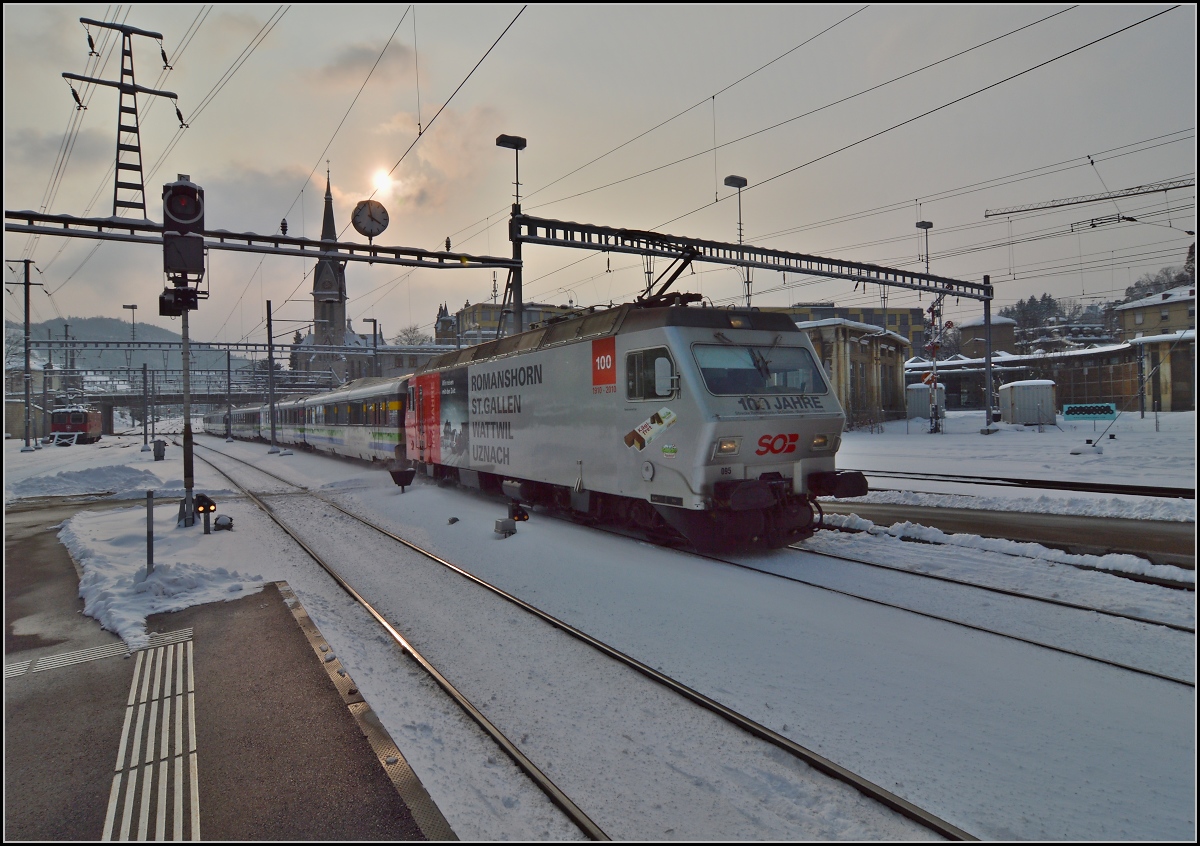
(758, 369)
(649, 374)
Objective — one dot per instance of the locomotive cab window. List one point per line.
(650, 375)
(736, 370)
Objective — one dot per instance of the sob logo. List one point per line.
(776, 444)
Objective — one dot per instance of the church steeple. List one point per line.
(329, 284)
(328, 230)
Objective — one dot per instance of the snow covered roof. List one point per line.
(1011, 360)
(1173, 295)
(972, 322)
(1181, 335)
(869, 328)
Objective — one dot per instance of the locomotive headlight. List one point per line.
(727, 447)
(820, 442)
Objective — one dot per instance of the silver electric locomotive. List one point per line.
(714, 424)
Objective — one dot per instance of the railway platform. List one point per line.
(236, 723)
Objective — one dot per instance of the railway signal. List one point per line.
(183, 264)
(206, 506)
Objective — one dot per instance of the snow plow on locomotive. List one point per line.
(74, 424)
(716, 425)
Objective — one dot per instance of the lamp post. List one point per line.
(739, 182)
(515, 143)
(28, 378)
(274, 450)
(926, 225)
(132, 321)
(934, 335)
(374, 345)
(132, 338)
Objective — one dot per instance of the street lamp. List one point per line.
(515, 143)
(132, 321)
(375, 345)
(739, 182)
(926, 225)
(132, 338)
(934, 335)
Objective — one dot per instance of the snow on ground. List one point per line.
(191, 568)
(1142, 451)
(1119, 562)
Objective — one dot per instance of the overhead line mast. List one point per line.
(129, 155)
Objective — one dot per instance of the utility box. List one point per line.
(160, 450)
(916, 400)
(1030, 402)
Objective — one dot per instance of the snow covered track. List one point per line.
(1160, 542)
(1080, 633)
(1043, 484)
(1190, 629)
(585, 682)
(543, 782)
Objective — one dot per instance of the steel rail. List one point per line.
(954, 622)
(552, 791)
(1049, 484)
(1004, 591)
(813, 759)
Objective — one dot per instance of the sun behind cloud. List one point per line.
(382, 182)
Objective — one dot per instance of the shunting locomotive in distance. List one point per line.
(714, 425)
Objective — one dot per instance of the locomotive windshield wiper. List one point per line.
(761, 362)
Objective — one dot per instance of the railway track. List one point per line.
(1005, 592)
(736, 722)
(1157, 541)
(1042, 484)
(1074, 652)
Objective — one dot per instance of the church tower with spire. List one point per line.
(329, 286)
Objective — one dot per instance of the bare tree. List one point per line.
(1166, 278)
(412, 336)
(14, 350)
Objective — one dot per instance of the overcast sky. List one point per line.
(649, 89)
